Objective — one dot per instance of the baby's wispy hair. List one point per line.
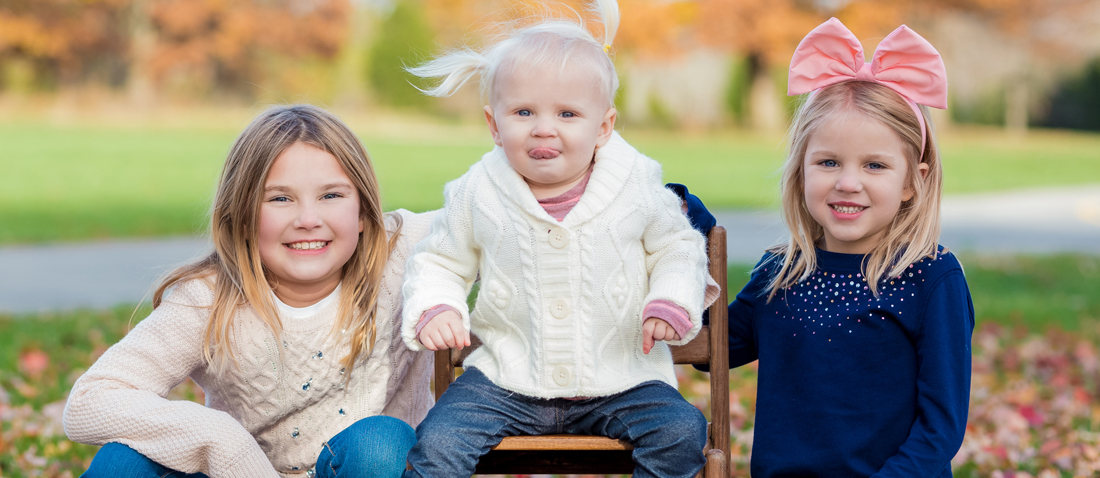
(545, 40)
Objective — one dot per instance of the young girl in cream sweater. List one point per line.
(290, 327)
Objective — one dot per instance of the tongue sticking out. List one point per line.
(544, 153)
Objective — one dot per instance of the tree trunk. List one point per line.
(139, 84)
(1016, 106)
(765, 107)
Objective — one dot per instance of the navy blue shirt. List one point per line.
(853, 385)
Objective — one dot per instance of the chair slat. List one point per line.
(561, 442)
(695, 352)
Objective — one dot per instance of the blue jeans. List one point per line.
(373, 447)
(667, 432)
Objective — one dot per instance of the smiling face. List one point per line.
(549, 124)
(855, 180)
(309, 224)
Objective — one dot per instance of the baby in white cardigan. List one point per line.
(587, 267)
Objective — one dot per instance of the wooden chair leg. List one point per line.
(717, 465)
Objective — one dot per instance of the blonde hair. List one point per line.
(547, 43)
(239, 278)
(914, 232)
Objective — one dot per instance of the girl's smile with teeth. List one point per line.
(308, 245)
(847, 209)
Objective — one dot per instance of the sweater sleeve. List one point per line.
(741, 316)
(742, 313)
(943, 382)
(675, 257)
(410, 394)
(444, 265)
(122, 397)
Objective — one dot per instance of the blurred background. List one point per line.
(115, 117)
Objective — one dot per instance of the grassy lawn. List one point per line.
(1036, 293)
(1022, 304)
(88, 181)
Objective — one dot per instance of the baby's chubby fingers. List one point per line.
(431, 339)
(445, 331)
(654, 329)
(664, 331)
(459, 336)
(647, 335)
(447, 335)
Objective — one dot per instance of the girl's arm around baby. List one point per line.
(122, 397)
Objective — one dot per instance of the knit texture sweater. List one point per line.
(270, 416)
(559, 311)
(854, 385)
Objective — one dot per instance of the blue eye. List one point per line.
(829, 163)
(568, 114)
(524, 112)
(331, 196)
(876, 166)
(279, 199)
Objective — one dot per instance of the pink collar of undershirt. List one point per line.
(560, 205)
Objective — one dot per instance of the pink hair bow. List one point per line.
(904, 61)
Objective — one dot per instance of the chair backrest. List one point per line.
(709, 347)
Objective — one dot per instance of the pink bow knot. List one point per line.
(864, 73)
(904, 61)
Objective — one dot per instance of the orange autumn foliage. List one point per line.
(228, 38)
(62, 34)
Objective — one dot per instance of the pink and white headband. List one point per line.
(904, 62)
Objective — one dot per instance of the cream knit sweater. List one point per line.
(272, 415)
(560, 305)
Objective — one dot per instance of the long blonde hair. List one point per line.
(915, 230)
(238, 276)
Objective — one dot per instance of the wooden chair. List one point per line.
(602, 455)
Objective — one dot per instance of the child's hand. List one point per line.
(654, 329)
(445, 331)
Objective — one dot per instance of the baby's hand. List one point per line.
(445, 331)
(654, 329)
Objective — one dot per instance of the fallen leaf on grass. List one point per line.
(33, 362)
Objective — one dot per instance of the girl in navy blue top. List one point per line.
(861, 322)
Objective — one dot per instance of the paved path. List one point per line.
(99, 275)
(1035, 221)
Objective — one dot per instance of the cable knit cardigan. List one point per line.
(560, 305)
(271, 416)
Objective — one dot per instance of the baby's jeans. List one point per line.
(667, 432)
(372, 447)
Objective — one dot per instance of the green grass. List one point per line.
(89, 181)
(1060, 291)
(73, 339)
(92, 182)
(30, 401)
(1033, 292)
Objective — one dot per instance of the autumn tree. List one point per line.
(404, 39)
(217, 43)
(223, 43)
(65, 41)
(1044, 35)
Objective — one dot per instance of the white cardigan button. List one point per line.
(559, 308)
(562, 375)
(559, 237)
